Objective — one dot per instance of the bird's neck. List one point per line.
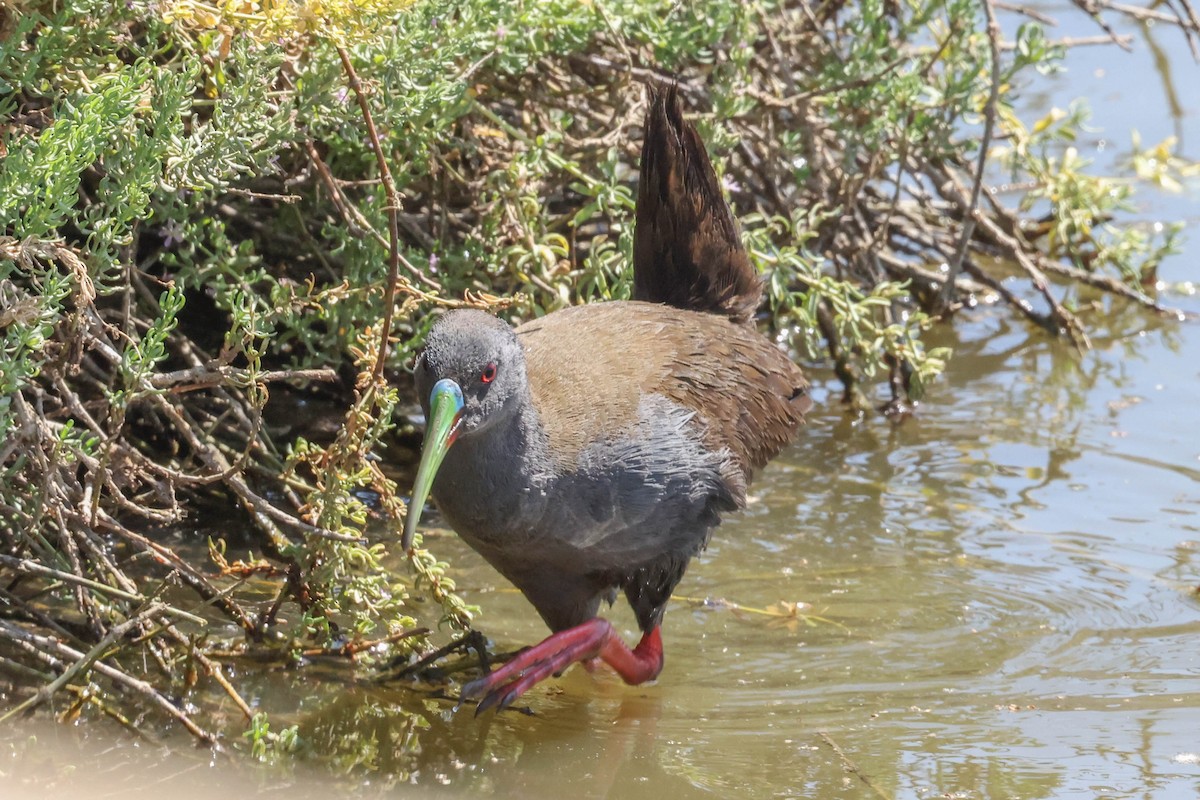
(493, 478)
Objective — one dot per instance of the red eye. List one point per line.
(489, 373)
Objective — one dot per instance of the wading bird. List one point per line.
(594, 449)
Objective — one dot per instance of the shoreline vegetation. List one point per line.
(214, 217)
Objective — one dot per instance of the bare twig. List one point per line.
(852, 767)
(51, 651)
(1075, 41)
(84, 663)
(28, 567)
(1032, 13)
(203, 377)
(985, 143)
(393, 210)
(1092, 8)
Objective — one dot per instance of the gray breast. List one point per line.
(651, 490)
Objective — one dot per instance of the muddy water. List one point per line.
(996, 599)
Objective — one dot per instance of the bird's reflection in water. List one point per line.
(589, 737)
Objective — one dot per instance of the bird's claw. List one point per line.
(501, 688)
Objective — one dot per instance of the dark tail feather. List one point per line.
(687, 251)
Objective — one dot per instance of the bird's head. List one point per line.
(470, 377)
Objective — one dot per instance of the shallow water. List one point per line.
(995, 599)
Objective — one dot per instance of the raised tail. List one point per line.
(687, 251)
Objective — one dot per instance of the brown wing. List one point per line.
(687, 251)
(749, 398)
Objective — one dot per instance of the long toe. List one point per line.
(553, 655)
(504, 695)
(497, 698)
(502, 687)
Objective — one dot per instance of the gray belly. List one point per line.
(622, 503)
(629, 509)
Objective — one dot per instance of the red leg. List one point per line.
(638, 665)
(593, 639)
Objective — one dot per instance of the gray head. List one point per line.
(470, 377)
(483, 356)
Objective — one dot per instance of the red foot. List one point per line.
(593, 639)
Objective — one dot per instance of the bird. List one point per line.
(593, 450)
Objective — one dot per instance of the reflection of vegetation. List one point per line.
(192, 221)
(394, 737)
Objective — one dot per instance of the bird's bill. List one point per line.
(441, 429)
